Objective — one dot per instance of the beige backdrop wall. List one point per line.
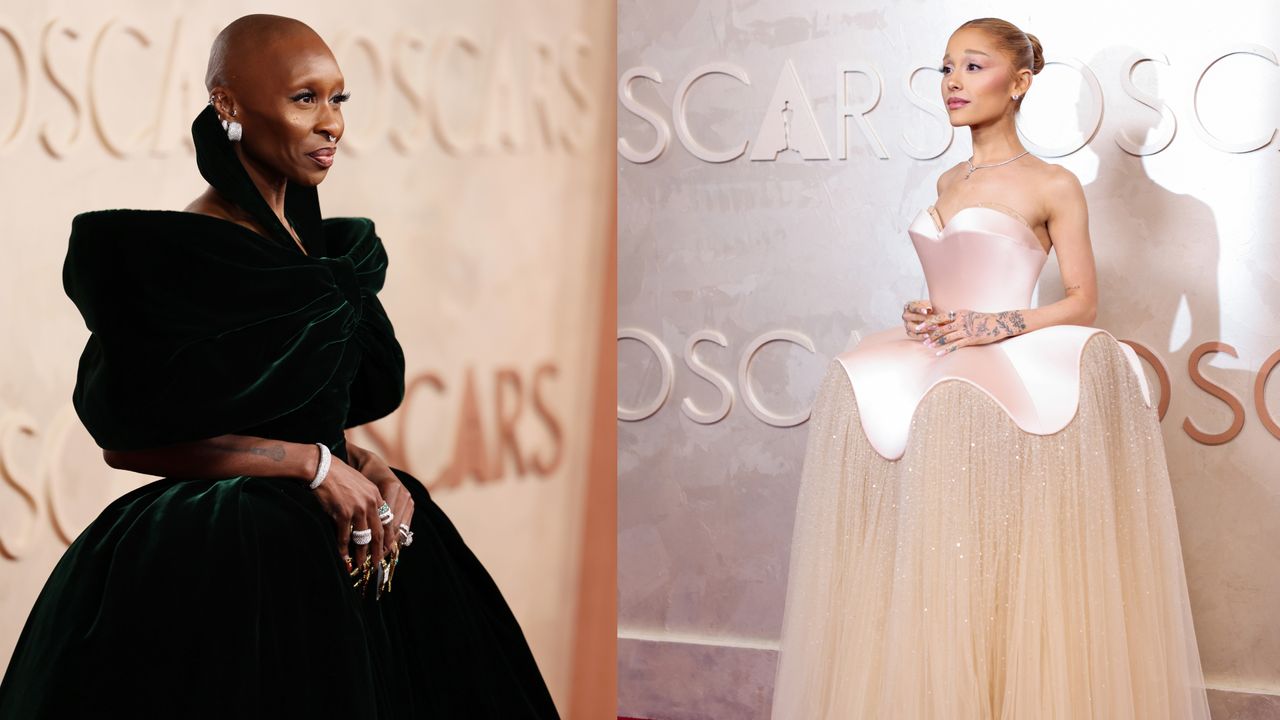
(477, 139)
(727, 241)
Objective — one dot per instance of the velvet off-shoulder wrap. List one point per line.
(202, 327)
(227, 597)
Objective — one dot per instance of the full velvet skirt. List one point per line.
(989, 572)
(227, 599)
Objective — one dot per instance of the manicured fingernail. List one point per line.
(919, 327)
(939, 353)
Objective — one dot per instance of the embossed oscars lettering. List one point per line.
(519, 93)
(1216, 390)
(746, 386)
(1259, 394)
(929, 106)
(1231, 146)
(791, 125)
(1162, 134)
(545, 466)
(789, 98)
(16, 532)
(39, 480)
(666, 376)
(704, 371)
(847, 108)
(19, 106)
(59, 148)
(680, 114)
(479, 454)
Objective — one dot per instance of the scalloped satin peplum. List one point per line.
(986, 260)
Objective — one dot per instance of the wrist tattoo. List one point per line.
(995, 325)
(1011, 322)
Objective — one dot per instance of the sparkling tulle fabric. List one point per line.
(989, 572)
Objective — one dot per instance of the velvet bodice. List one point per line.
(201, 327)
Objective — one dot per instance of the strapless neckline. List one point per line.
(985, 262)
(1029, 234)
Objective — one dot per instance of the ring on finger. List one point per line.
(362, 537)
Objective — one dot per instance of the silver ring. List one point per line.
(362, 537)
(386, 519)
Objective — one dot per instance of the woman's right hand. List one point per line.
(914, 313)
(352, 501)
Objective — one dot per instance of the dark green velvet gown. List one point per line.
(226, 598)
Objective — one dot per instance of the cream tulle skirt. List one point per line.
(989, 572)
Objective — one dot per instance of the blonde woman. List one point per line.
(985, 527)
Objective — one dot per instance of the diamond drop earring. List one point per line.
(235, 130)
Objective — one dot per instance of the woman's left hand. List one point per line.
(958, 328)
(393, 491)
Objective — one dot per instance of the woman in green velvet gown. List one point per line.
(226, 342)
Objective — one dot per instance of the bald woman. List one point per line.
(275, 569)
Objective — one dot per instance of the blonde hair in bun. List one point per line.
(1022, 48)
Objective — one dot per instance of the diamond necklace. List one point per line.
(973, 167)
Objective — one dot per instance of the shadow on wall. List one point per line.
(1161, 265)
(1166, 243)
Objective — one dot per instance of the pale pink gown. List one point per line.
(989, 533)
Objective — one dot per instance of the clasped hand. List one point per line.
(947, 331)
(352, 493)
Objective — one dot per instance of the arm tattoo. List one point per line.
(271, 452)
(1011, 322)
(274, 452)
(995, 325)
(1073, 287)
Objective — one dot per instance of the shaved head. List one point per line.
(242, 44)
(278, 82)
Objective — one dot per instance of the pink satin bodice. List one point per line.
(986, 260)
